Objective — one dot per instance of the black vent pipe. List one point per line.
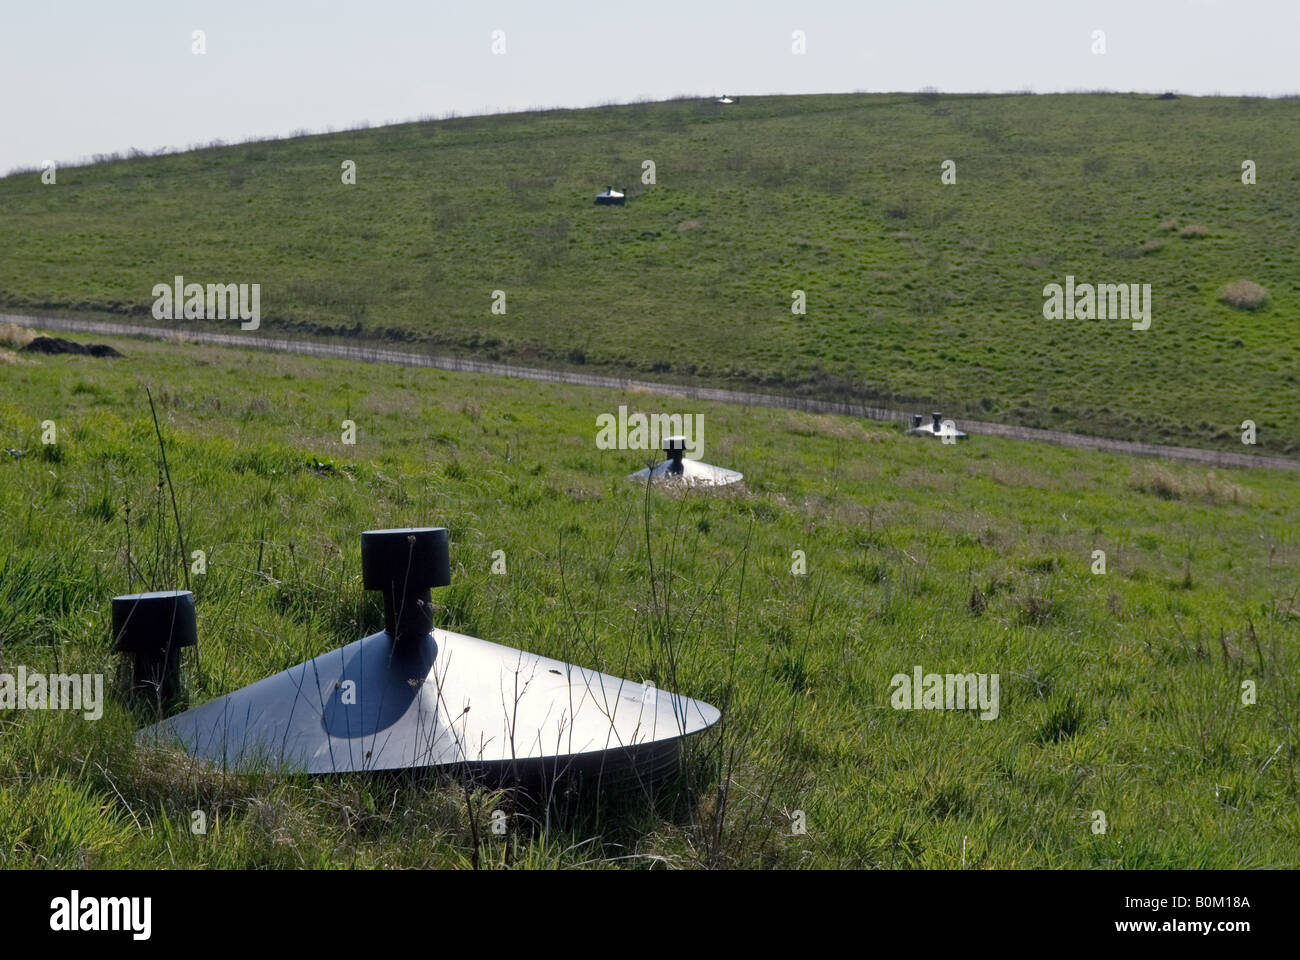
(675, 448)
(153, 627)
(404, 564)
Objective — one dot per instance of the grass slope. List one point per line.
(916, 291)
(1120, 692)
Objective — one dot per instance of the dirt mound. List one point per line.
(53, 345)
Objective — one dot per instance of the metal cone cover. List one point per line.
(447, 701)
(693, 474)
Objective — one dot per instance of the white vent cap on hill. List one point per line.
(691, 473)
(937, 427)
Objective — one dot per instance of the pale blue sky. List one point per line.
(86, 76)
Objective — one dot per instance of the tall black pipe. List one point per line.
(675, 448)
(404, 565)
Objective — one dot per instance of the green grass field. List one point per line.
(1120, 692)
(917, 292)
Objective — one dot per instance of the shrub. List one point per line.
(1159, 481)
(1165, 484)
(1245, 294)
(1218, 490)
(15, 337)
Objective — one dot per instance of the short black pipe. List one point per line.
(675, 450)
(157, 675)
(152, 628)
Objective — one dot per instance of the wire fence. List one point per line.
(409, 358)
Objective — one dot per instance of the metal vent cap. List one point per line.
(153, 622)
(412, 558)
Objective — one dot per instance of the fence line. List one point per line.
(370, 354)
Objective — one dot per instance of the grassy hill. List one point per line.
(916, 290)
(1120, 692)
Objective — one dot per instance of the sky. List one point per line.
(81, 77)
